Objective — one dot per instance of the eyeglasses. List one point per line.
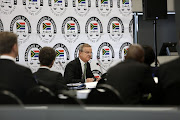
(87, 52)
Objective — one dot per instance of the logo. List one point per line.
(104, 6)
(33, 7)
(131, 28)
(32, 56)
(123, 50)
(82, 6)
(97, 73)
(17, 58)
(1, 26)
(58, 7)
(46, 28)
(62, 56)
(125, 6)
(115, 29)
(93, 29)
(71, 29)
(7, 6)
(22, 27)
(105, 54)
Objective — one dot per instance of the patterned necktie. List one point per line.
(84, 75)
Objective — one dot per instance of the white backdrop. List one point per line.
(64, 25)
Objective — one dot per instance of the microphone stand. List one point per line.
(155, 41)
(61, 65)
(100, 66)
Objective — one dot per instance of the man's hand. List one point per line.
(97, 79)
(89, 79)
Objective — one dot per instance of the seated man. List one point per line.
(15, 78)
(50, 79)
(131, 77)
(79, 70)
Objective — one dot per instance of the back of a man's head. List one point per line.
(7, 41)
(47, 56)
(135, 52)
(149, 55)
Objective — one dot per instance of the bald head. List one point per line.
(135, 52)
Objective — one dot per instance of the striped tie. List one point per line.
(84, 75)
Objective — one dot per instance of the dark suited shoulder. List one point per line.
(73, 72)
(50, 79)
(16, 78)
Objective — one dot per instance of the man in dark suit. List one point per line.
(131, 77)
(13, 77)
(79, 70)
(50, 79)
(169, 82)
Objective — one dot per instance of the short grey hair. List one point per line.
(82, 46)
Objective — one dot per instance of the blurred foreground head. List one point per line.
(8, 44)
(135, 52)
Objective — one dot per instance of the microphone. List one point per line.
(100, 65)
(61, 65)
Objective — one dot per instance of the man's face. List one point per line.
(86, 54)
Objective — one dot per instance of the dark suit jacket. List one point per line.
(15, 78)
(50, 79)
(169, 82)
(73, 72)
(132, 79)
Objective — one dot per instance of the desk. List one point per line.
(83, 94)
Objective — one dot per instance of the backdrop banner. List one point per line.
(106, 25)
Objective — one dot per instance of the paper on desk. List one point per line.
(91, 84)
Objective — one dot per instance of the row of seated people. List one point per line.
(131, 78)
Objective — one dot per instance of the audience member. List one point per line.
(79, 70)
(149, 58)
(131, 77)
(15, 78)
(44, 76)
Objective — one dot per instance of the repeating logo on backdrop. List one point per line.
(32, 56)
(105, 54)
(7, 6)
(33, 7)
(71, 29)
(17, 58)
(94, 29)
(1, 26)
(76, 53)
(97, 73)
(82, 7)
(125, 6)
(115, 29)
(46, 29)
(22, 27)
(58, 7)
(123, 50)
(104, 6)
(62, 56)
(131, 28)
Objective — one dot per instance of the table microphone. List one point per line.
(61, 65)
(100, 65)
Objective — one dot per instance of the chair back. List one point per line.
(68, 97)
(104, 94)
(7, 97)
(40, 95)
(171, 95)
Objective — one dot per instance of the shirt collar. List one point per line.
(44, 67)
(7, 57)
(82, 62)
